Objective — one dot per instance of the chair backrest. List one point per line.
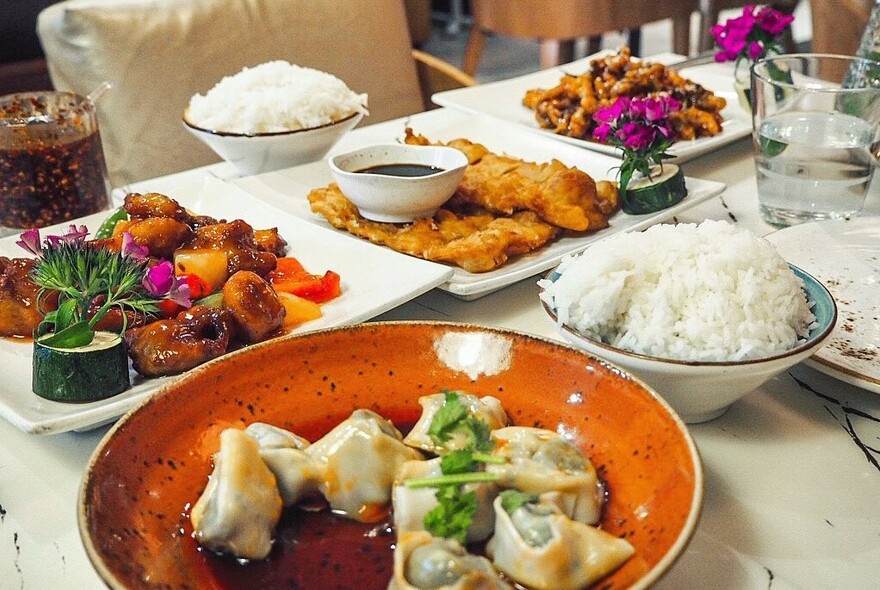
(158, 53)
(569, 19)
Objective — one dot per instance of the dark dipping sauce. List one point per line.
(406, 170)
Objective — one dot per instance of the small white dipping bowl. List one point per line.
(398, 199)
(702, 391)
(263, 152)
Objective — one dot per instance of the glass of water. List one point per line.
(816, 122)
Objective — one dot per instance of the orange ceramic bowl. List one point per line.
(154, 463)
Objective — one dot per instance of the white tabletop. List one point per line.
(792, 495)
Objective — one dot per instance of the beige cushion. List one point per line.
(158, 53)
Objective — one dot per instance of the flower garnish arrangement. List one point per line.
(755, 34)
(81, 286)
(641, 129)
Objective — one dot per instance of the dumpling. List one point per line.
(423, 562)
(273, 437)
(296, 474)
(541, 461)
(358, 460)
(541, 548)
(412, 504)
(240, 507)
(486, 408)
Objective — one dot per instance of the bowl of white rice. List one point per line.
(704, 313)
(274, 115)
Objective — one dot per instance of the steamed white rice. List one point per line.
(272, 97)
(707, 292)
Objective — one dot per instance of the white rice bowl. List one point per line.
(708, 292)
(274, 97)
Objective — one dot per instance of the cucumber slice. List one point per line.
(87, 373)
(663, 189)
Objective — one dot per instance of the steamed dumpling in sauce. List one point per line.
(412, 504)
(296, 474)
(240, 507)
(543, 549)
(358, 460)
(423, 562)
(542, 462)
(486, 408)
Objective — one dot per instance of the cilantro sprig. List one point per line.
(453, 515)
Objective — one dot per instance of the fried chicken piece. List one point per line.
(20, 312)
(475, 240)
(142, 206)
(160, 235)
(563, 196)
(237, 239)
(172, 346)
(256, 307)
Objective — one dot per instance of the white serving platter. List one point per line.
(287, 189)
(374, 280)
(845, 256)
(503, 100)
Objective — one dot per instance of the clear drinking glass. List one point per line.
(815, 136)
(52, 166)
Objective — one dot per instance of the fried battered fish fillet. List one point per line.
(475, 240)
(562, 196)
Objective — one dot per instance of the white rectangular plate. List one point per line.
(503, 100)
(374, 280)
(287, 189)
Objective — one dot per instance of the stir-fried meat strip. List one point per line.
(169, 347)
(20, 312)
(563, 196)
(255, 305)
(568, 107)
(475, 240)
(236, 238)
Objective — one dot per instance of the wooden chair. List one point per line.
(437, 75)
(557, 23)
(158, 54)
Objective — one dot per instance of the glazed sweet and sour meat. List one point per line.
(254, 304)
(568, 107)
(172, 346)
(237, 239)
(19, 311)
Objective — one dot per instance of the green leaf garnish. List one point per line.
(73, 336)
(447, 419)
(453, 515)
(513, 499)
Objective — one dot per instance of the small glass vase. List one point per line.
(742, 83)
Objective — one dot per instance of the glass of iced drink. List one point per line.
(52, 166)
(816, 125)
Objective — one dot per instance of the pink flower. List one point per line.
(132, 249)
(73, 235)
(773, 21)
(30, 241)
(751, 35)
(160, 281)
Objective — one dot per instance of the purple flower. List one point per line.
(30, 241)
(773, 21)
(73, 235)
(132, 249)
(160, 281)
(751, 35)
